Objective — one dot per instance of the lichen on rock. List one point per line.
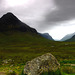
(44, 63)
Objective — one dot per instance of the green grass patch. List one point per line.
(58, 72)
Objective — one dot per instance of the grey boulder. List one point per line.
(44, 63)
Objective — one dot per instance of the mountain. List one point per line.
(47, 36)
(13, 31)
(67, 37)
(72, 39)
(17, 34)
(9, 22)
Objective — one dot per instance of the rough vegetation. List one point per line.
(23, 47)
(44, 63)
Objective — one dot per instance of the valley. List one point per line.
(20, 43)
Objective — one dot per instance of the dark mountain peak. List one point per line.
(9, 18)
(8, 14)
(10, 22)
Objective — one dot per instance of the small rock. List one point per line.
(10, 60)
(11, 65)
(10, 71)
(5, 61)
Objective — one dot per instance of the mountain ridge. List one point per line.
(67, 37)
(47, 36)
(72, 39)
(10, 22)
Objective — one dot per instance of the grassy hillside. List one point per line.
(19, 47)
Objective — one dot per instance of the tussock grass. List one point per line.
(23, 47)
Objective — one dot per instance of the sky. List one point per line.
(56, 17)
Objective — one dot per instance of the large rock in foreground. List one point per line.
(44, 63)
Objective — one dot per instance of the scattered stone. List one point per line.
(2, 73)
(66, 44)
(11, 65)
(10, 60)
(5, 61)
(10, 71)
(52, 46)
(44, 63)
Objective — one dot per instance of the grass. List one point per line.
(52, 73)
(22, 47)
(68, 69)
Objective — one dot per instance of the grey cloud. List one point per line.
(66, 11)
(35, 14)
(3, 7)
(65, 3)
(41, 14)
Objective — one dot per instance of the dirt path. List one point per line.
(70, 64)
(2, 73)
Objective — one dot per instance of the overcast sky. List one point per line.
(56, 17)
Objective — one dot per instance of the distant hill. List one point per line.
(67, 37)
(72, 39)
(47, 36)
(9, 22)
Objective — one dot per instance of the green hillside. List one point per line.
(25, 46)
(22, 47)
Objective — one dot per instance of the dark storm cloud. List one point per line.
(34, 14)
(66, 11)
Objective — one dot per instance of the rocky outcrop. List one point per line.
(44, 63)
